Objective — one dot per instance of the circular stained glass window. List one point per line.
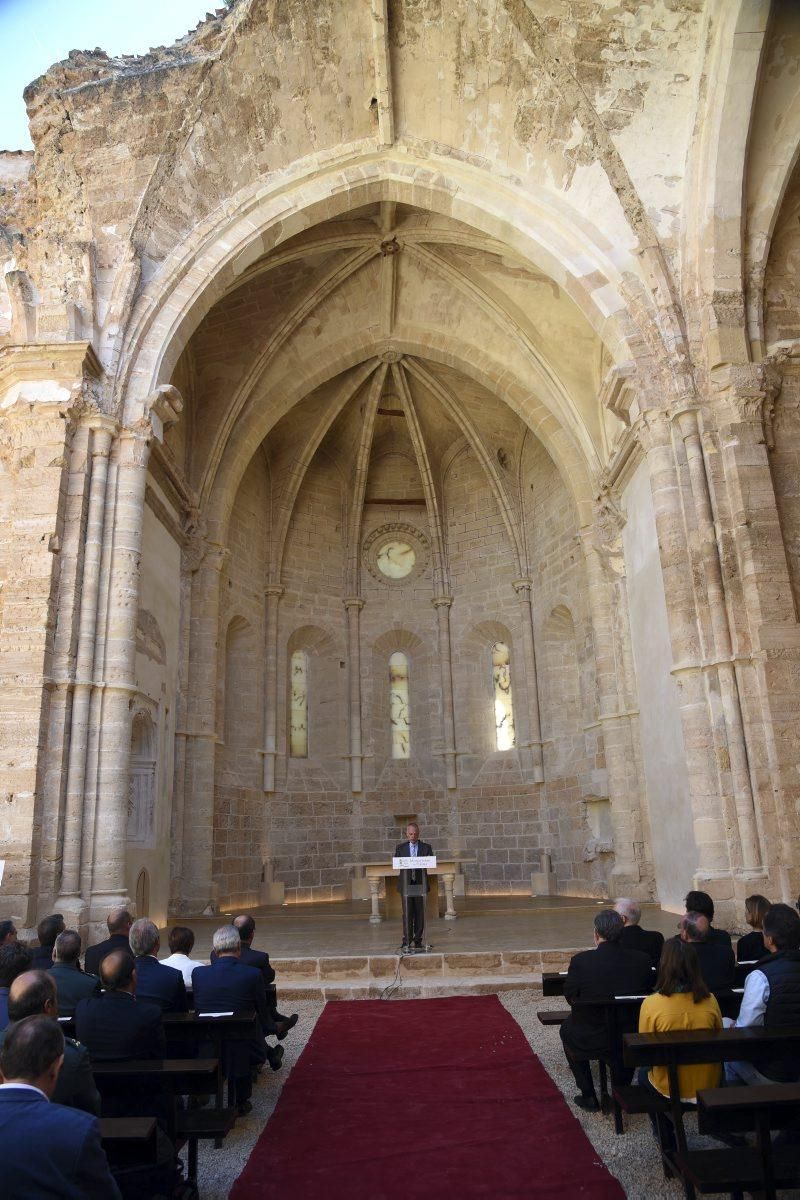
(395, 560)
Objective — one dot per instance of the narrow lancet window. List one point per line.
(298, 735)
(505, 734)
(399, 706)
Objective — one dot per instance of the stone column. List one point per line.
(201, 734)
(714, 863)
(722, 664)
(108, 877)
(616, 718)
(353, 605)
(272, 595)
(524, 590)
(69, 899)
(442, 605)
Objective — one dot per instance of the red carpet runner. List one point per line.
(413, 1098)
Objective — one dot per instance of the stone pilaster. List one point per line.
(531, 756)
(353, 606)
(442, 605)
(272, 597)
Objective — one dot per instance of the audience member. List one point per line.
(116, 1025)
(598, 974)
(772, 998)
(45, 1149)
(8, 932)
(260, 960)
(73, 984)
(35, 992)
(648, 941)
(155, 983)
(751, 948)
(717, 964)
(14, 959)
(119, 922)
(701, 902)
(681, 1001)
(229, 986)
(181, 943)
(47, 931)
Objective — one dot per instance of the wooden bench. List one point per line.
(197, 1028)
(762, 1168)
(684, 1047)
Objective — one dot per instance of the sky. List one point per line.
(34, 34)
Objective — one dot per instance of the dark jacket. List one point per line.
(608, 970)
(403, 850)
(41, 958)
(116, 1025)
(719, 935)
(48, 1151)
(783, 1012)
(646, 941)
(95, 954)
(230, 986)
(3, 1007)
(751, 948)
(717, 964)
(160, 985)
(254, 958)
(73, 985)
(75, 1086)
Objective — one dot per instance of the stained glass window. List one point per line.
(505, 734)
(399, 706)
(298, 734)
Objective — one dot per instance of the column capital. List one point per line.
(215, 556)
(687, 419)
(652, 429)
(522, 586)
(353, 602)
(274, 589)
(442, 601)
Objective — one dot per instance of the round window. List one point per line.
(395, 560)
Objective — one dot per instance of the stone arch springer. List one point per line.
(604, 281)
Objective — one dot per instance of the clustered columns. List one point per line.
(353, 606)
(272, 598)
(101, 433)
(616, 688)
(722, 651)
(442, 605)
(533, 747)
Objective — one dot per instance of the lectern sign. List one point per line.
(423, 862)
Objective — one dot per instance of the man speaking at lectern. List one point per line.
(413, 906)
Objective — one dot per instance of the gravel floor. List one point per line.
(632, 1158)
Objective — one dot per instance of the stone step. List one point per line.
(379, 969)
(408, 988)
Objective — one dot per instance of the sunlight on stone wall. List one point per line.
(298, 735)
(503, 702)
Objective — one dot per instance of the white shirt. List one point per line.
(184, 964)
(27, 1087)
(754, 1000)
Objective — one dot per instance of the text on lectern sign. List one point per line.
(423, 862)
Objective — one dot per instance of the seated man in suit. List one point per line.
(45, 1149)
(14, 959)
(73, 984)
(608, 970)
(156, 983)
(648, 941)
(32, 993)
(717, 962)
(119, 922)
(181, 944)
(260, 960)
(229, 986)
(701, 902)
(47, 931)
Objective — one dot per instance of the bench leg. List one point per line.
(191, 1174)
(619, 1128)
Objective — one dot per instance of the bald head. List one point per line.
(119, 920)
(694, 927)
(246, 926)
(32, 992)
(118, 972)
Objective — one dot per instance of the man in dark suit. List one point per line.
(32, 993)
(648, 941)
(701, 902)
(47, 931)
(717, 962)
(156, 983)
(14, 959)
(260, 960)
(45, 1149)
(119, 923)
(229, 986)
(8, 932)
(73, 984)
(413, 906)
(608, 970)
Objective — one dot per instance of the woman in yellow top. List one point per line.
(680, 1000)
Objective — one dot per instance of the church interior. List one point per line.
(400, 426)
